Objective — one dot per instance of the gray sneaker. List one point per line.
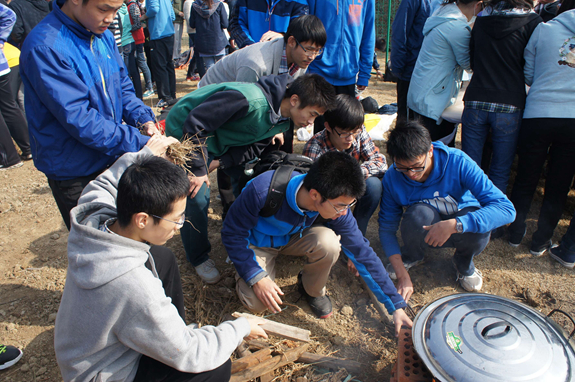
(471, 283)
(407, 265)
(208, 272)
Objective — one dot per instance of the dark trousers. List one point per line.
(402, 88)
(438, 132)
(192, 64)
(12, 122)
(129, 54)
(467, 245)
(67, 192)
(163, 67)
(346, 89)
(541, 139)
(568, 240)
(151, 370)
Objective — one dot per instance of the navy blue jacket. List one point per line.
(407, 35)
(210, 37)
(243, 226)
(77, 95)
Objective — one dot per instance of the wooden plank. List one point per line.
(257, 345)
(278, 329)
(270, 365)
(243, 350)
(385, 317)
(267, 377)
(333, 363)
(251, 360)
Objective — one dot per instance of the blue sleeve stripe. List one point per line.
(371, 283)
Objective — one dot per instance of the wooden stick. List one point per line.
(333, 363)
(251, 360)
(280, 330)
(269, 365)
(243, 350)
(257, 344)
(385, 317)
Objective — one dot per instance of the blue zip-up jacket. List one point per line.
(407, 35)
(455, 182)
(243, 226)
(7, 20)
(252, 18)
(436, 78)
(348, 52)
(550, 69)
(161, 16)
(77, 94)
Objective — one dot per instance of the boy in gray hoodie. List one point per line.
(122, 317)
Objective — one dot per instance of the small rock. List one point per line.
(210, 210)
(32, 360)
(54, 236)
(337, 340)
(44, 361)
(347, 310)
(11, 327)
(361, 302)
(52, 317)
(230, 282)
(41, 370)
(2, 313)
(25, 368)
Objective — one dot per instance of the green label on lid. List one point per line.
(454, 342)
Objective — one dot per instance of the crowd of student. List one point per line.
(300, 63)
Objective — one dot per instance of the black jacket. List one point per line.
(210, 37)
(496, 52)
(28, 14)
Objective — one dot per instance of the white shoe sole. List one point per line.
(561, 261)
(13, 362)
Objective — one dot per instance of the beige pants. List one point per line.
(321, 247)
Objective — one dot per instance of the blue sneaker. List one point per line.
(562, 256)
(148, 93)
(161, 104)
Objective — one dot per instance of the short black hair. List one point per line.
(347, 114)
(150, 185)
(312, 89)
(380, 43)
(307, 28)
(336, 174)
(408, 140)
(511, 4)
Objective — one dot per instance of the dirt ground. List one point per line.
(33, 272)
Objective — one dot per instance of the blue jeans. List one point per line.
(195, 235)
(129, 55)
(504, 127)
(143, 66)
(205, 63)
(467, 245)
(368, 203)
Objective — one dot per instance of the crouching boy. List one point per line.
(344, 132)
(122, 317)
(333, 185)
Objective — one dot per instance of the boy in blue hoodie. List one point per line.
(330, 188)
(450, 203)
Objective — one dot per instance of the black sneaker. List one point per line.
(320, 306)
(9, 355)
(539, 249)
(562, 256)
(515, 238)
(497, 233)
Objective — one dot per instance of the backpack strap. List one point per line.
(277, 191)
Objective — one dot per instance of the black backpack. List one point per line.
(284, 164)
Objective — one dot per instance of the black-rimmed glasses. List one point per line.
(347, 135)
(309, 52)
(179, 223)
(403, 170)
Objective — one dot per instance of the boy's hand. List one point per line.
(440, 232)
(278, 138)
(269, 293)
(256, 329)
(150, 128)
(352, 268)
(270, 35)
(361, 87)
(400, 319)
(404, 285)
(158, 144)
(196, 183)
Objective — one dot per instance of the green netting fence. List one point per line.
(384, 13)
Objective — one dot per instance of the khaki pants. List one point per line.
(321, 247)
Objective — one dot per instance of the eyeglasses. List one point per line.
(179, 223)
(343, 209)
(309, 52)
(347, 135)
(403, 170)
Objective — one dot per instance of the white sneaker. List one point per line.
(471, 283)
(208, 272)
(407, 266)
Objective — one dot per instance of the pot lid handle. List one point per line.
(568, 316)
(489, 328)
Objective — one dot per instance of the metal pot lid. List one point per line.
(482, 337)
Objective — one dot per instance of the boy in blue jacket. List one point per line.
(450, 203)
(80, 103)
(332, 186)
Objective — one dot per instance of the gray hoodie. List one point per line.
(114, 309)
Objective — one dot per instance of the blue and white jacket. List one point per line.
(252, 18)
(77, 94)
(161, 16)
(455, 182)
(7, 20)
(244, 226)
(348, 52)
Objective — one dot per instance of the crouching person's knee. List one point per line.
(248, 298)
(323, 245)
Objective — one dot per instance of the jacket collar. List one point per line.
(76, 28)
